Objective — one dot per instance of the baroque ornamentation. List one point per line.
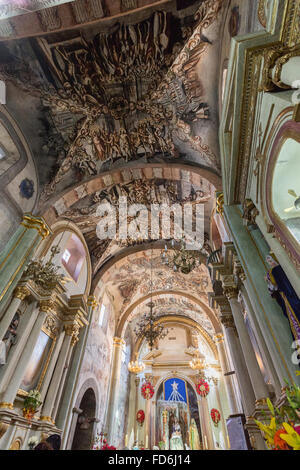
(46, 273)
(21, 292)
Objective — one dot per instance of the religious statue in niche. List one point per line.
(283, 292)
(176, 442)
(9, 339)
(194, 436)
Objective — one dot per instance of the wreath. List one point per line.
(147, 390)
(215, 416)
(140, 417)
(202, 388)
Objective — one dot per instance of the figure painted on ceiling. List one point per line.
(283, 292)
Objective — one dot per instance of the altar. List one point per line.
(176, 428)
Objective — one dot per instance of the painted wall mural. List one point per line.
(97, 361)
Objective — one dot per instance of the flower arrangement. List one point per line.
(140, 417)
(100, 443)
(31, 404)
(147, 390)
(283, 432)
(215, 416)
(107, 447)
(202, 388)
(32, 442)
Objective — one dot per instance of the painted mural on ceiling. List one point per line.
(120, 91)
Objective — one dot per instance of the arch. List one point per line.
(87, 402)
(66, 225)
(171, 171)
(179, 320)
(122, 322)
(188, 380)
(125, 252)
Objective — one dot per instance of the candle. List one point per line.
(126, 440)
(205, 442)
(146, 446)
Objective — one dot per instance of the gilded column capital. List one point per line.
(92, 301)
(47, 306)
(118, 341)
(21, 292)
(231, 292)
(72, 329)
(227, 321)
(220, 204)
(219, 338)
(32, 222)
(9, 406)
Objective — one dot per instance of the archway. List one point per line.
(84, 427)
(177, 417)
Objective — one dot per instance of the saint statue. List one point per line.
(176, 438)
(194, 436)
(9, 339)
(283, 292)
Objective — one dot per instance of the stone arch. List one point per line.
(57, 205)
(88, 401)
(123, 321)
(183, 321)
(58, 228)
(124, 253)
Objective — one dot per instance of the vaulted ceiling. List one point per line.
(123, 101)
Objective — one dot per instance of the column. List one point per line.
(18, 252)
(114, 387)
(259, 386)
(63, 379)
(260, 339)
(47, 410)
(147, 424)
(16, 380)
(274, 326)
(51, 366)
(224, 428)
(20, 293)
(219, 339)
(236, 353)
(137, 383)
(207, 420)
(64, 416)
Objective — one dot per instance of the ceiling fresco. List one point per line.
(118, 92)
(120, 85)
(130, 280)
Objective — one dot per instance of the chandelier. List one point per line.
(198, 363)
(181, 260)
(136, 367)
(148, 326)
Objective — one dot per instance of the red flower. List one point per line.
(279, 443)
(215, 416)
(140, 417)
(202, 388)
(147, 390)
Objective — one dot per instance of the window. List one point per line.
(2, 153)
(102, 315)
(73, 256)
(286, 188)
(66, 255)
